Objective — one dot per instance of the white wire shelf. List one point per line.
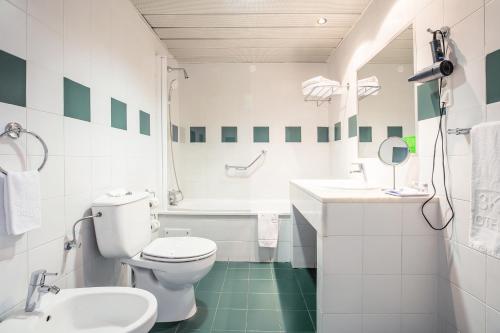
(324, 93)
(365, 91)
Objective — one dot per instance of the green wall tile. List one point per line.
(175, 133)
(365, 134)
(76, 100)
(118, 114)
(261, 134)
(395, 131)
(338, 131)
(493, 77)
(229, 134)
(197, 134)
(144, 123)
(323, 134)
(353, 126)
(293, 134)
(428, 100)
(12, 79)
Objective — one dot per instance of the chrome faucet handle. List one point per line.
(38, 277)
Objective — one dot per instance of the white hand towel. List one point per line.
(268, 228)
(485, 227)
(22, 202)
(369, 82)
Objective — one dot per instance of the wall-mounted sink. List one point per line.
(341, 184)
(96, 310)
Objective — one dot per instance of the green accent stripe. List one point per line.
(144, 123)
(365, 134)
(493, 77)
(12, 79)
(353, 126)
(293, 134)
(76, 100)
(118, 114)
(428, 100)
(338, 131)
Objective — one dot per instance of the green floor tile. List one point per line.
(306, 279)
(164, 327)
(237, 264)
(220, 264)
(310, 301)
(264, 321)
(313, 317)
(201, 322)
(207, 299)
(262, 286)
(297, 321)
(261, 274)
(284, 273)
(210, 285)
(216, 273)
(288, 286)
(261, 265)
(282, 265)
(232, 320)
(233, 301)
(263, 302)
(235, 286)
(291, 302)
(240, 274)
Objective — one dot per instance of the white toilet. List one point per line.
(166, 267)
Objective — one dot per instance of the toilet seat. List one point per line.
(179, 249)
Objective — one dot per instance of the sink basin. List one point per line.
(89, 310)
(345, 184)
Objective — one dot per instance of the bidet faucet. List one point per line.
(37, 287)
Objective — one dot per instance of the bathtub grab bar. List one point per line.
(243, 168)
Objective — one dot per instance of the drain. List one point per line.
(48, 318)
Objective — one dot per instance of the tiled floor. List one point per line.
(252, 297)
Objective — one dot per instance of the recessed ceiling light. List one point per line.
(322, 20)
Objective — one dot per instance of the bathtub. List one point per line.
(232, 224)
(228, 207)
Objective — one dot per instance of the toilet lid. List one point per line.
(179, 248)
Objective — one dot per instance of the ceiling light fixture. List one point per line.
(322, 20)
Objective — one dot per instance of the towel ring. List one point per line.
(13, 130)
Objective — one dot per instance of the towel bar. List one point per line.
(13, 130)
(459, 131)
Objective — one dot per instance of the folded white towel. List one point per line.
(368, 82)
(314, 80)
(319, 87)
(268, 229)
(485, 227)
(22, 202)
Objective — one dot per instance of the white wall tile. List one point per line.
(419, 294)
(342, 323)
(380, 219)
(381, 323)
(413, 221)
(492, 286)
(13, 113)
(77, 137)
(417, 323)
(49, 13)
(345, 219)
(419, 255)
(13, 281)
(13, 21)
(77, 175)
(382, 254)
(50, 128)
(53, 226)
(51, 176)
(457, 10)
(50, 256)
(492, 25)
(492, 320)
(45, 47)
(343, 255)
(342, 294)
(382, 293)
(44, 89)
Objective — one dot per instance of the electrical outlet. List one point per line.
(176, 232)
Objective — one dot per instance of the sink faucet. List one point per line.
(37, 287)
(358, 168)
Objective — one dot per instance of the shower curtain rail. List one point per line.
(244, 168)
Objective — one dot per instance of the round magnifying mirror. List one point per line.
(393, 151)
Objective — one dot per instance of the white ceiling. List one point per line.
(204, 31)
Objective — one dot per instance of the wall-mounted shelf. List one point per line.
(365, 91)
(324, 93)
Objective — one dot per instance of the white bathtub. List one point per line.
(228, 207)
(232, 224)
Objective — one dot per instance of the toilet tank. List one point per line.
(124, 228)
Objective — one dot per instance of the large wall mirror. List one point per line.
(386, 104)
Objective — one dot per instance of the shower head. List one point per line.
(171, 69)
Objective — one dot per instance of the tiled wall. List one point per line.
(468, 293)
(265, 104)
(77, 55)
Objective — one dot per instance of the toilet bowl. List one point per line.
(169, 268)
(166, 267)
